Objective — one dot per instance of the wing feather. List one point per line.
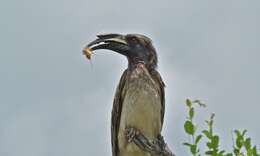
(116, 113)
(158, 79)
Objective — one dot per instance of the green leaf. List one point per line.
(198, 139)
(236, 151)
(215, 141)
(221, 153)
(189, 127)
(210, 123)
(238, 134)
(193, 149)
(212, 116)
(187, 144)
(207, 134)
(209, 152)
(191, 113)
(254, 151)
(244, 132)
(188, 103)
(199, 103)
(239, 142)
(247, 144)
(239, 138)
(249, 152)
(209, 144)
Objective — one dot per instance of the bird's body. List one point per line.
(139, 99)
(140, 110)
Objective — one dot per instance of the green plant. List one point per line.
(241, 147)
(190, 129)
(243, 143)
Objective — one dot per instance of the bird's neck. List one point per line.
(132, 67)
(135, 63)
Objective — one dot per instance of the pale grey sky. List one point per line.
(54, 102)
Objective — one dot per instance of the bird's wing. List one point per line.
(116, 113)
(156, 77)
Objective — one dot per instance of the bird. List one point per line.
(139, 103)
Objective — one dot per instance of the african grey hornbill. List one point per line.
(138, 108)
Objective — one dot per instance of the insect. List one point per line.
(88, 52)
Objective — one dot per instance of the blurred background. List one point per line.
(54, 102)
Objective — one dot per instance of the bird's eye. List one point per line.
(133, 40)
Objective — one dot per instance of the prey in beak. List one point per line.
(114, 42)
(87, 52)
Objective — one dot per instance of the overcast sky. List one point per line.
(54, 102)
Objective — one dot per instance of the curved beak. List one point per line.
(114, 42)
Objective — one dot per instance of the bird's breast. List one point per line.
(141, 108)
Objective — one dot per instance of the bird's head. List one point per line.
(137, 48)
